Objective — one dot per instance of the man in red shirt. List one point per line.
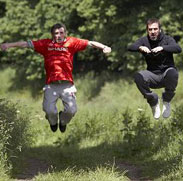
(58, 55)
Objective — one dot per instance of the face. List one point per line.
(153, 31)
(59, 35)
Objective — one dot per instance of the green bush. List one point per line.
(138, 133)
(92, 125)
(14, 133)
(142, 135)
(177, 123)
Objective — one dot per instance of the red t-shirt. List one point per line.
(58, 57)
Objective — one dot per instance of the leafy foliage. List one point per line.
(115, 23)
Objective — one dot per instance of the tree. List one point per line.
(115, 23)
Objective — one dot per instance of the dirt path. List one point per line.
(134, 173)
(35, 166)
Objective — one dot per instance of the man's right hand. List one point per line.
(4, 46)
(144, 49)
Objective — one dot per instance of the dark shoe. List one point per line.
(61, 126)
(54, 127)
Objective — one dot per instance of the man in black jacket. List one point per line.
(158, 49)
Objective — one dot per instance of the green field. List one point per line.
(113, 136)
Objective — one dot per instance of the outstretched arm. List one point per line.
(104, 48)
(5, 46)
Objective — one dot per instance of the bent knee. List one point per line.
(171, 79)
(172, 75)
(138, 78)
(50, 111)
(71, 110)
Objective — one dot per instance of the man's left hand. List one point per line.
(107, 49)
(157, 49)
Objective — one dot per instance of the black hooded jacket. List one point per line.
(160, 61)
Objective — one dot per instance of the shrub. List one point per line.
(14, 133)
(141, 135)
(177, 123)
(92, 125)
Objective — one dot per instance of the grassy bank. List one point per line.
(113, 126)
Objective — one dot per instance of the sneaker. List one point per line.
(54, 127)
(156, 110)
(166, 109)
(61, 126)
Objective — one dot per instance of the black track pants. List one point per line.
(146, 79)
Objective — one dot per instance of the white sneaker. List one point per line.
(166, 109)
(156, 110)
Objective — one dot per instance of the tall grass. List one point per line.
(15, 133)
(100, 174)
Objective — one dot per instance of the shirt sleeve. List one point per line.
(172, 46)
(135, 46)
(30, 44)
(39, 46)
(79, 44)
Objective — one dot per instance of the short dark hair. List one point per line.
(153, 20)
(57, 26)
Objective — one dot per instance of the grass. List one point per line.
(100, 174)
(113, 125)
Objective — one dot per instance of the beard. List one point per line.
(153, 38)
